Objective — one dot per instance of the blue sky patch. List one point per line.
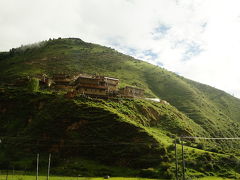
(159, 64)
(160, 31)
(151, 54)
(163, 29)
(193, 49)
(132, 51)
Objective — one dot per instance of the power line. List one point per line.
(39, 141)
(218, 138)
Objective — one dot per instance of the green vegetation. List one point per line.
(33, 84)
(212, 178)
(97, 144)
(29, 177)
(45, 122)
(130, 137)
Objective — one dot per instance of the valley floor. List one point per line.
(29, 177)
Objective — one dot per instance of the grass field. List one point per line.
(28, 177)
(213, 178)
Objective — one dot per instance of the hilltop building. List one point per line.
(131, 92)
(63, 81)
(97, 85)
(91, 85)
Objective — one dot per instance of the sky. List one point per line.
(197, 39)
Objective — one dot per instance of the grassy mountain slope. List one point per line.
(37, 122)
(195, 110)
(214, 110)
(94, 137)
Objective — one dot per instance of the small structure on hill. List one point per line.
(157, 100)
(131, 92)
(153, 99)
(97, 85)
(45, 81)
(63, 81)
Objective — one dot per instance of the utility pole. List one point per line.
(7, 175)
(49, 164)
(183, 161)
(175, 142)
(13, 173)
(37, 166)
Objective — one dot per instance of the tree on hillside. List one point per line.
(33, 84)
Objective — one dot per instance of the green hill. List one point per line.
(146, 129)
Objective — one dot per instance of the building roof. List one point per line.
(98, 77)
(134, 88)
(110, 78)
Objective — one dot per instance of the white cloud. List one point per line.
(198, 39)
